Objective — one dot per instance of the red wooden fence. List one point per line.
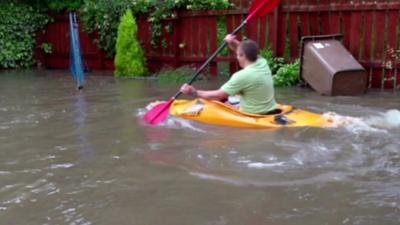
(370, 28)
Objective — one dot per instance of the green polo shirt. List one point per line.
(255, 85)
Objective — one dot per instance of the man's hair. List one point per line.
(250, 49)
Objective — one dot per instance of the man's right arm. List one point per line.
(233, 45)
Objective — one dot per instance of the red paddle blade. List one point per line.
(158, 113)
(269, 7)
(261, 8)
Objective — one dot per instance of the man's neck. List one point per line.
(247, 63)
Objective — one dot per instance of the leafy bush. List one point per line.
(18, 27)
(274, 62)
(129, 60)
(59, 5)
(102, 16)
(47, 48)
(55, 5)
(284, 74)
(287, 75)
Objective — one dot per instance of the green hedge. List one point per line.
(283, 74)
(18, 27)
(53, 5)
(22, 19)
(287, 75)
(103, 16)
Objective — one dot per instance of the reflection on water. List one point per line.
(71, 157)
(81, 108)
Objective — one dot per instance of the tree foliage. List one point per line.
(18, 27)
(102, 16)
(284, 74)
(22, 19)
(287, 75)
(54, 5)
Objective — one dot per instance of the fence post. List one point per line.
(277, 29)
(214, 45)
(177, 40)
(39, 55)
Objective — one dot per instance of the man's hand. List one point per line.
(230, 38)
(188, 89)
(232, 42)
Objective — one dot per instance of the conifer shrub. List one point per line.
(130, 60)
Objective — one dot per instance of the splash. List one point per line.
(142, 111)
(177, 123)
(379, 123)
(171, 121)
(386, 120)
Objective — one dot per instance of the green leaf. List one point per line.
(18, 28)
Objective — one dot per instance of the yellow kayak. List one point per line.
(218, 113)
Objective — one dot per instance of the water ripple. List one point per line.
(4, 173)
(242, 181)
(63, 165)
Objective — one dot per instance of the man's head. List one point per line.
(247, 52)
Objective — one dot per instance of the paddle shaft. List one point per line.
(205, 64)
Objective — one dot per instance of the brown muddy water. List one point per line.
(69, 157)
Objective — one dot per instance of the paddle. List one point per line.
(259, 8)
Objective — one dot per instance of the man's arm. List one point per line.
(214, 94)
(233, 45)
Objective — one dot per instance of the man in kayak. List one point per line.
(253, 82)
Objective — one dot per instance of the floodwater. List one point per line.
(69, 157)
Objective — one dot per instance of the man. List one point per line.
(254, 82)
